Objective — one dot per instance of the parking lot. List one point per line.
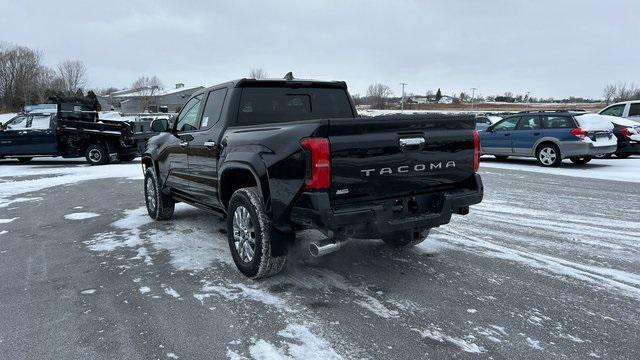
(547, 266)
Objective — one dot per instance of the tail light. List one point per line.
(579, 133)
(476, 151)
(627, 132)
(320, 163)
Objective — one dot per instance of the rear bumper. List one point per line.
(628, 147)
(576, 148)
(371, 220)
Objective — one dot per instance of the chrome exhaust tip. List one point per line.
(322, 248)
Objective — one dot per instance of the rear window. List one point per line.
(263, 105)
(557, 122)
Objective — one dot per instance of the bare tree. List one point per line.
(258, 74)
(21, 73)
(148, 88)
(377, 93)
(73, 75)
(609, 92)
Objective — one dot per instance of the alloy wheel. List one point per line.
(244, 234)
(547, 156)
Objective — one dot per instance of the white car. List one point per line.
(625, 109)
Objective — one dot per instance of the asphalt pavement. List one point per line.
(546, 267)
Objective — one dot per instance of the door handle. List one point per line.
(184, 144)
(209, 144)
(536, 133)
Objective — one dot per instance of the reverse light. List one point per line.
(320, 178)
(579, 133)
(476, 151)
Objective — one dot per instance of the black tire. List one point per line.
(405, 239)
(548, 155)
(24, 160)
(622, 156)
(159, 205)
(251, 225)
(580, 160)
(501, 157)
(96, 154)
(127, 158)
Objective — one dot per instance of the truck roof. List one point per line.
(244, 82)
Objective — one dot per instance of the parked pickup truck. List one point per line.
(74, 130)
(279, 156)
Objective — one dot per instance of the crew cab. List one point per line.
(280, 156)
(71, 130)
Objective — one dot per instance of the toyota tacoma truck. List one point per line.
(278, 156)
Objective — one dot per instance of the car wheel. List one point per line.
(249, 235)
(501, 157)
(96, 154)
(622, 156)
(405, 239)
(548, 155)
(24, 160)
(580, 160)
(159, 206)
(127, 158)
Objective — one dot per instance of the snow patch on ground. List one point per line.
(3, 232)
(435, 333)
(604, 169)
(88, 291)
(171, 292)
(299, 343)
(6, 221)
(244, 292)
(144, 290)
(81, 216)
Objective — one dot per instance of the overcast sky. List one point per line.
(550, 48)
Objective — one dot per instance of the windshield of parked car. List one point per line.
(263, 105)
(17, 123)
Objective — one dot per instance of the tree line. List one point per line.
(24, 79)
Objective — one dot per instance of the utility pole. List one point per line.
(402, 99)
(473, 96)
(528, 100)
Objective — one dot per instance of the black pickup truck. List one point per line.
(74, 130)
(278, 156)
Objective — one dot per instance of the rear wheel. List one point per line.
(159, 206)
(127, 158)
(501, 157)
(96, 154)
(24, 160)
(249, 235)
(580, 160)
(405, 239)
(548, 155)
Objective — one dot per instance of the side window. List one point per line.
(506, 124)
(213, 108)
(18, 123)
(634, 110)
(529, 123)
(483, 121)
(40, 122)
(188, 118)
(557, 122)
(615, 110)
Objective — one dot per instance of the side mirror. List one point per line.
(160, 125)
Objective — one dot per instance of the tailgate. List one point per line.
(387, 156)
